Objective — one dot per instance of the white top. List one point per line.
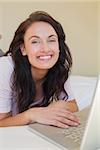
(6, 69)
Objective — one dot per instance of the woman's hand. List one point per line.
(69, 105)
(55, 114)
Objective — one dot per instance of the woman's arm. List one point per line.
(4, 115)
(56, 114)
(68, 105)
(7, 120)
(72, 106)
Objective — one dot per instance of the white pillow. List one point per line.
(83, 88)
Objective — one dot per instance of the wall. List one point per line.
(79, 20)
(99, 37)
(1, 27)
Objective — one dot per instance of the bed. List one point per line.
(83, 88)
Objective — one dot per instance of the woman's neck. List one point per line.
(38, 74)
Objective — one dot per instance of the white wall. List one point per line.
(1, 27)
(79, 20)
(99, 37)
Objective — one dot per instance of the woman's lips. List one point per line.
(45, 57)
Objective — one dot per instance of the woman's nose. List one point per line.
(45, 47)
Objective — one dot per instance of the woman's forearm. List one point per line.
(19, 119)
(54, 114)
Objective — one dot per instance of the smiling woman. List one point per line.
(33, 73)
(41, 45)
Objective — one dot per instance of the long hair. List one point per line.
(23, 86)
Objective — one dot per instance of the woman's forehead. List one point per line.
(39, 28)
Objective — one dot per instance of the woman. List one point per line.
(33, 73)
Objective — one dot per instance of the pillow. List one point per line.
(83, 88)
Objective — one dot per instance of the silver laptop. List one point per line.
(84, 137)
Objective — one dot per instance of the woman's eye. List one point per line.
(35, 42)
(53, 40)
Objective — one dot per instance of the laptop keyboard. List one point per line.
(75, 133)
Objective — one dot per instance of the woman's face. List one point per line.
(41, 45)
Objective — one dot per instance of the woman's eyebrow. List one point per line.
(33, 36)
(53, 35)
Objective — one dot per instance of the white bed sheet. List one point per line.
(83, 88)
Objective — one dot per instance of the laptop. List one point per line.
(84, 137)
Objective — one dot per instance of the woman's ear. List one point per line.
(23, 50)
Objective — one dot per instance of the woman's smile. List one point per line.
(45, 57)
(41, 45)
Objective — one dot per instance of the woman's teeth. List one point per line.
(45, 57)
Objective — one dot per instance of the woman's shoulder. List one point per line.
(6, 61)
(6, 65)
